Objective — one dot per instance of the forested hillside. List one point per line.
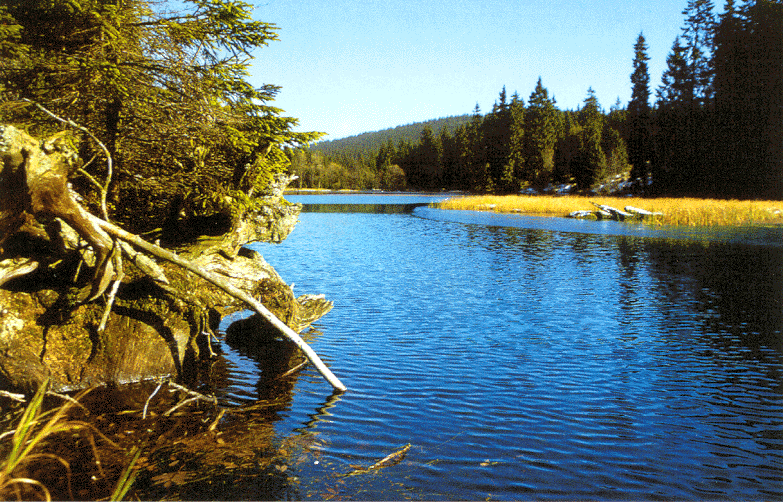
(715, 127)
(371, 142)
(353, 162)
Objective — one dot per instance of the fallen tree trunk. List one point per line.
(257, 306)
(618, 214)
(641, 212)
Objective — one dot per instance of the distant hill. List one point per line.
(369, 143)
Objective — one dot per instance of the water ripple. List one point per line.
(537, 364)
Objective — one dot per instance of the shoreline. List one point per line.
(686, 211)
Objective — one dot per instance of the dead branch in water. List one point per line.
(237, 293)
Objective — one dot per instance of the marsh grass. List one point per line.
(33, 431)
(676, 211)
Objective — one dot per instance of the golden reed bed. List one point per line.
(676, 211)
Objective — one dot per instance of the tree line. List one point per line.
(714, 129)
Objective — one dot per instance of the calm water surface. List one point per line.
(530, 359)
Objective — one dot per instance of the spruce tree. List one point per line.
(592, 165)
(165, 91)
(697, 34)
(673, 146)
(731, 90)
(476, 153)
(748, 64)
(540, 136)
(449, 160)
(427, 172)
(639, 113)
(674, 89)
(496, 129)
(516, 147)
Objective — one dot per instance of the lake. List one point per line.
(529, 358)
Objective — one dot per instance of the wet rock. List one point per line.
(298, 313)
(36, 345)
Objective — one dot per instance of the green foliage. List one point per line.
(540, 135)
(674, 87)
(715, 128)
(164, 90)
(516, 147)
(719, 117)
(639, 145)
(697, 33)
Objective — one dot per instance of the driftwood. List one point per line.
(391, 459)
(34, 181)
(580, 214)
(641, 212)
(257, 306)
(609, 212)
(618, 214)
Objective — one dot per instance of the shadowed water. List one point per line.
(533, 363)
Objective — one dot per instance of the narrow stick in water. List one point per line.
(228, 288)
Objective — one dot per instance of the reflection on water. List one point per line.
(532, 363)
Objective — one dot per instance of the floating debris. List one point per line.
(391, 459)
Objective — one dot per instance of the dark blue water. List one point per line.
(533, 363)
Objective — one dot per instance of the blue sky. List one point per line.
(352, 66)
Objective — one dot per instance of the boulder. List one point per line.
(161, 318)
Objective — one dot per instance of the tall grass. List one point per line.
(29, 433)
(34, 428)
(675, 211)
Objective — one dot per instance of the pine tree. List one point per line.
(496, 130)
(697, 34)
(674, 89)
(674, 151)
(592, 166)
(427, 172)
(516, 147)
(165, 91)
(475, 153)
(748, 65)
(764, 165)
(730, 62)
(449, 160)
(639, 148)
(540, 136)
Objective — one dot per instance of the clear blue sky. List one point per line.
(352, 66)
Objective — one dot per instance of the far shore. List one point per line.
(673, 211)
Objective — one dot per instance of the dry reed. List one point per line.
(675, 211)
(34, 429)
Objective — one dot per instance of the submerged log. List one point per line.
(390, 459)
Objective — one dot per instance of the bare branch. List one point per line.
(109, 162)
(257, 306)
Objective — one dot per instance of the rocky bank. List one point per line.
(49, 330)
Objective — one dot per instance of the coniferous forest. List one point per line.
(712, 128)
